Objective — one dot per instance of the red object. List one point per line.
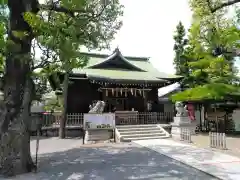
(191, 112)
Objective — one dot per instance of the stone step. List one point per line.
(159, 134)
(141, 132)
(136, 126)
(139, 129)
(143, 138)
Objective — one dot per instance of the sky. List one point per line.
(148, 28)
(147, 31)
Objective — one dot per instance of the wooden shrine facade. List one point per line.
(82, 94)
(123, 83)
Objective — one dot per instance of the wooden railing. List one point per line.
(122, 118)
(53, 120)
(75, 119)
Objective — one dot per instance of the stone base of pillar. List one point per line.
(182, 122)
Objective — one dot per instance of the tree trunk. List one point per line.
(62, 129)
(15, 142)
(15, 154)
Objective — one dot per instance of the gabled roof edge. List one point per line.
(115, 54)
(99, 55)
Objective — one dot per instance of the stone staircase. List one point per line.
(128, 133)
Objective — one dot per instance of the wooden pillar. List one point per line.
(200, 110)
(64, 112)
(145, 100)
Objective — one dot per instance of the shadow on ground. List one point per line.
(116, 161)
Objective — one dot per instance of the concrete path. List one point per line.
(69, 160)
(221, 165)
(54, 144)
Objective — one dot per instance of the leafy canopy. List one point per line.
(213, 40)
(61, 29)
(63, 32)
(214, 91)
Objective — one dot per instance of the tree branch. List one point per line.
(72, 12)
(56, 8)
(222, 5)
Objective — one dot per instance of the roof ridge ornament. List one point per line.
(116, 50)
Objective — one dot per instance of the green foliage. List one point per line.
(3, 32)
(64, 33)
(41, 86)
(53, 104)
(61, 32)
(3, 2)
(180, 62)
(2, 45)
(213, 40)
(213, 91)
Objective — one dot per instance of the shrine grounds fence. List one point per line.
(53, 120)
(185, 135)
(135, 118)
(217, 140)
(122, 118)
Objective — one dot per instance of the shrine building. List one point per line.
(123, 83)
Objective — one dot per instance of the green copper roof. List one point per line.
(119, 74)
(142, 68)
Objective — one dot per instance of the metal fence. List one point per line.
(185, 135)
(122, 118)
(133, 118)
(217, 140)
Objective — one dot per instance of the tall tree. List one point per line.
(60, 27)
(212, 38)
(180, 43)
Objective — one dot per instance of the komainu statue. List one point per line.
(97, 107)
(181, 109)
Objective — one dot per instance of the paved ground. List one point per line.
(221, 165)
(69, 160)
(202, 141)
(54, 144)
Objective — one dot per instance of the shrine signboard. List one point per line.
(99, 121)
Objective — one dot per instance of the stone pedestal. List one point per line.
(182, 122)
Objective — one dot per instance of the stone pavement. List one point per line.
(220, 165)
(54, 144)
(201, 140)
(70, 160)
